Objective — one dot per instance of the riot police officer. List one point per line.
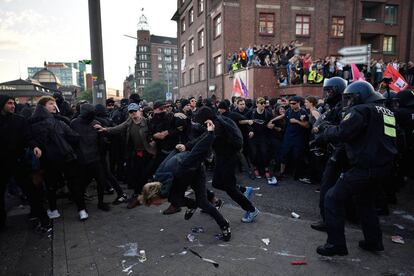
(368, 133)
(404, 115)
(333, 90)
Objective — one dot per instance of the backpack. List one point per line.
(233, 134)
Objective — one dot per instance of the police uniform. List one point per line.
(368, 132)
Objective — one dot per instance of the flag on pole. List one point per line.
(245, 90)
(237, 89)
(356, 74)
(398, 82)
(240, 89)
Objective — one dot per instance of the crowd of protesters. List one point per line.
(49, 146)
(291, 67)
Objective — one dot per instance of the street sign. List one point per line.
(168, 96)
(354, 60)
(354, 50)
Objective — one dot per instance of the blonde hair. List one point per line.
(150, 191)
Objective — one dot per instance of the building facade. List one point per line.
(209, 30)
(156, 58)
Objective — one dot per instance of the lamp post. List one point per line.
(95, 29)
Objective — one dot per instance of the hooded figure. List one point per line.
(89, 138)
(63, 106)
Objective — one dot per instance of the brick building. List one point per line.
(156, 58)
(208, 30)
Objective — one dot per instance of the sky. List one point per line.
(34, 31)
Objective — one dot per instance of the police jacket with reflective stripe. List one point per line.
(369, 134)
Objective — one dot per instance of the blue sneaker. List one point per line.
(249, 216)
(248, 193)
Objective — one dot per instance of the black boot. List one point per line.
(373, 247)
(319, 226)
(331, 250)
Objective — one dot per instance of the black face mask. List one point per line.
(160, 115)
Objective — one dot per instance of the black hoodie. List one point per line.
(89, 144)
(55, 138)
(14, 133)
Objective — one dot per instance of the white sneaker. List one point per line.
(53, 214)
(83, 215)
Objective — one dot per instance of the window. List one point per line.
(142, 49)
(183, 50)
(218, 66)
(191, 75)
(266, 23)
(302, 25)
(167, 59)
(217, 26)
(338, 25)
(167, 51)
(190, 16)
(159, 50)
(183, 25)
(159, 65)
(389, 44)
(391, 14)
(183, 79)
(159, 57)
(191, 46)
(201, 39)
(175, 58)
(175, 67)
(200, 6)
(175, 51)
(201, 72)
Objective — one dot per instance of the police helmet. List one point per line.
(406, 98)
(360, 92)
(333, 89)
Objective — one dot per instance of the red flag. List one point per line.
(356, 74)
(398, 82)
(237, 90)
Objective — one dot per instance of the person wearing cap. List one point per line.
(294, 140)
(139, 150)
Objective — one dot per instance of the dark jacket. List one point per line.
(89, 142)
(179, 164)
(369, 134)
(14, 136)
(161, 122)
(52, 136)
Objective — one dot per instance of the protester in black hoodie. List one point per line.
(56, 140)
(88, 151)
(14, 139)
(224, 177)
(103, 118)
(64, 108)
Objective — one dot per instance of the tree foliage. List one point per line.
(85, 96)
(154, 91)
